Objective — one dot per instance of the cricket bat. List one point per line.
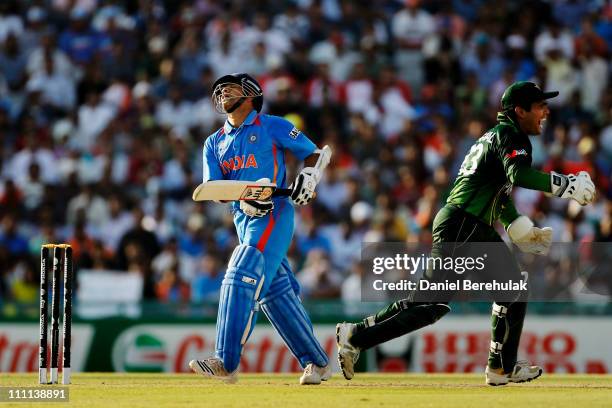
(234, 190)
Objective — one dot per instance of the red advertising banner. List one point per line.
(19, 346)
(161, 347)
(461, 345)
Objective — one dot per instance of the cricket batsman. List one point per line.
(481, 195)
(250, 147)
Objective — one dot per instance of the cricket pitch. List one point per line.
(365, 390)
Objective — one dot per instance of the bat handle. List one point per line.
(282, 192)
(285, 192)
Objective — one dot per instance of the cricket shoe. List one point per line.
(313, 374)
(213, 367)
(347, 353)
(522, 372)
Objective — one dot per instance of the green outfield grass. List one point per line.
(94, 390)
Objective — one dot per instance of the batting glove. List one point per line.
(529, 238)
(578, 187)
(258, 209)
(304, 186)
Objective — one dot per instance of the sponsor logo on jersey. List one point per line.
(239, 162)
(252, 138)
(294, 133)
(521, 152)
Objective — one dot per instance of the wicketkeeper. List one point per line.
(481, 195)
(250, 146)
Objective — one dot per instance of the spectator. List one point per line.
(98, 257)
(207, 282)
(11, 238)
(137, 246)
(350, 291)
(33, 151)
(589, 41)
(91, 204)
(318, 279)
(411, 26)
(171, 287)
(166, 259)
(360, 93)
(323, 90)
(57, 90)
(175, 111)
(517, 59)
(336, 53)
(25, 290)
(225, 58)
(260, 59)
(570, 12)
(275, 41)
(10, 20)
(48, 50)
(488, 66)
(118, 223)
(554, 37)
(13, 62)
(36, 28)
(561, 75)
(10, 198)
(191, 58)
(93, 118)
(394, 98)
(32, 188)
(292, 23)
(594, 76)
(441, 63)
(310, 238)
(80, 240)
(80, 41)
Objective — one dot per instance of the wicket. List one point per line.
(62, 261)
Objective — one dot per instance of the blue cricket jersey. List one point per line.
(254, 150)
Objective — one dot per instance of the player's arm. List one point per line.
(311, 160)
(305, 183)
(211, 169)
(315, 160)
(578, 187)
(523, 233)
(517, 165)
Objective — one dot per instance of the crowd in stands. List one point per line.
(105, 106)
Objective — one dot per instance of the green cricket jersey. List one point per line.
(500, 159)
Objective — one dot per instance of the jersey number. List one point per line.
(470, 162)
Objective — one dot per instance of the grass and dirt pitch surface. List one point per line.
(94, 390)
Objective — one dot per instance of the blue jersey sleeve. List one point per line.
(211, 168)
(289, 137)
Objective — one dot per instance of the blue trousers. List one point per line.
(247, 283)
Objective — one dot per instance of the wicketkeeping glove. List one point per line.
(304, 186)
(578, 187)
(529, 238)
(254, 208)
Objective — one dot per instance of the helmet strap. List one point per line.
(236, 105)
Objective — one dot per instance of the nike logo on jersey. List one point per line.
(521, 152)
(239, 162)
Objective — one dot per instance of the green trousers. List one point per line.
(453, 228)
